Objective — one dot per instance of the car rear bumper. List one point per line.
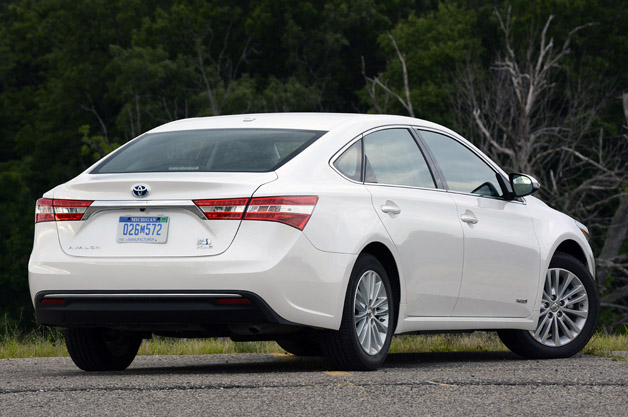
(289, 280)
(200, 312)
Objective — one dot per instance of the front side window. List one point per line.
(464, 171)
(215, 150)
(393, 157)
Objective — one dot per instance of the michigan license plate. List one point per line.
(142, 229)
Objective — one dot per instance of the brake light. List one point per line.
(48, 209)
(231, 208)
(44, 211)
(294, 211)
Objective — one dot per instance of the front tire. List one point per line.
(94, 349)
(367, 325)
(569, 313)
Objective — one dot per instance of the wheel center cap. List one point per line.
(554, 307)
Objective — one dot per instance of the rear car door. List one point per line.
(420, 219)
(501, 251)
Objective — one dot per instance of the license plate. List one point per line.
(142, 229)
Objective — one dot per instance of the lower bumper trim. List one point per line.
(152, 309)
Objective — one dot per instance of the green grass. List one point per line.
(48, 343)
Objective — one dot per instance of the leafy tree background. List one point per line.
(79, 78)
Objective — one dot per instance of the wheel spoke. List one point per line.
(572, 324)
(579, 313)
(548, 327)
(565, 285)
(379, 301)
(573, 292)
(576, 300)
(540, 327)
(361, 330)
(565, 330)
(555, 332)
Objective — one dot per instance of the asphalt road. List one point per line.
(454, 384)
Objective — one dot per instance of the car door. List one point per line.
(421, 220)
(501, 251)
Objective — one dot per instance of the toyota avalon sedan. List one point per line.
(328, 233)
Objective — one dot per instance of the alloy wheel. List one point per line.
(564, 309)
(371, 314)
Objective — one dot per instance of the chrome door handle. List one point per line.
(390, 208)
(469, 219)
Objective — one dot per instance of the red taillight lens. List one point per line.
(294, 211)
(231, 208)
(44, 211)
(47, 210)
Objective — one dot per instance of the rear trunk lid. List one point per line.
(164, 223)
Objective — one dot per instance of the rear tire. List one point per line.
(94, 349)
(367, 325)
(569, 313)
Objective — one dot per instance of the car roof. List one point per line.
(305, 121)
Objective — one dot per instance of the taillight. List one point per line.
(44, 211)
(47, 209)
(231, 208)
(294, 211)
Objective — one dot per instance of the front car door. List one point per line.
(501, 251)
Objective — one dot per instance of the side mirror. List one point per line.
(523, 185)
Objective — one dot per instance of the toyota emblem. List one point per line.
(140, 190)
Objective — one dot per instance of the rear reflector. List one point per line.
(233, 301)
(47, 209)
(294, 211)
(232, 208)
(52, 301)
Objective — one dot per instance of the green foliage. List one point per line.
(80, 78)
(434, 45)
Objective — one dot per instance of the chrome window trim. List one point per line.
(492, 165)
(361, 136)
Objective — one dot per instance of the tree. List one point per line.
(423, 54)
(534, 117)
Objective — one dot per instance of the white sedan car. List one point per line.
(328, 233)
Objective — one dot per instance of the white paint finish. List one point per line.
(97, 236)
(501, 258)
(275, 261)
(429, 240)
(163, 185)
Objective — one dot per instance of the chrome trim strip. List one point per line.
(142, 295)
(98, 206)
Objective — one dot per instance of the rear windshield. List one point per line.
(216, 150)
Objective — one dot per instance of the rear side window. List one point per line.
(215, 150)
(394, 158)
(350, 162)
